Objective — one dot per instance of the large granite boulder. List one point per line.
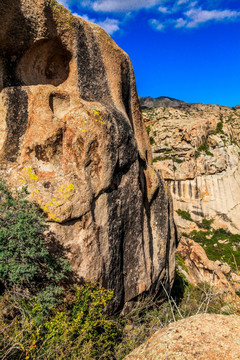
(200, 337)
(71, 130)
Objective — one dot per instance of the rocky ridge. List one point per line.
(71, 130)
(148, 102)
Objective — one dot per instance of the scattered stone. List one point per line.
(226, 241)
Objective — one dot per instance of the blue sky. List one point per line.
(186, 49)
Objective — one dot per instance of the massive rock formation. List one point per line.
(200, 337)
(71, 130)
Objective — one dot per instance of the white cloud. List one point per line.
(64, 3)
(123, 5)
(177, 13)
(86, 17)
(110, 25)
(181, 2)
(157, 25)
(163, 10)
(199, 16)
(180, 23)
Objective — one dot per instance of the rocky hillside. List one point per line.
(196, 150)
(71, 130)
(148, 102)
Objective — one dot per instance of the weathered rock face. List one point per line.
(196, 148)
(71, 130)
(200, 337)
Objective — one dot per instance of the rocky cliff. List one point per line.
(196, 148)
(72, 132)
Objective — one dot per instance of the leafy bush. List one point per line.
(205, 224)
(78, 329)
(148, 128)
(184, 214)
(151, 139)
(203, 147)
(220, 127)
(159, 158)
(209, 153)
(178, 161)
(197, 154)
(25, 260)
(32, 285)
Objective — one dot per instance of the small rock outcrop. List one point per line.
(200, 337)
(200, 269)
(71, 130)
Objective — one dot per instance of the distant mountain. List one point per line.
(149, 102)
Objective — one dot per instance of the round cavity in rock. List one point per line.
(59, 104)
(46, 62)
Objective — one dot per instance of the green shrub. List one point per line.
(78, 329)
(184, 214)
(220, 127)
(205, 224)
(151, 140)
(209, 153)
(203, 147)
(197, 154)
(26, 263)
(148, 128)
(176, 160)
(159, 158)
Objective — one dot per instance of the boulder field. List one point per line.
(71, 130)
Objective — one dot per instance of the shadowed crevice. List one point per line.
(16, 120)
